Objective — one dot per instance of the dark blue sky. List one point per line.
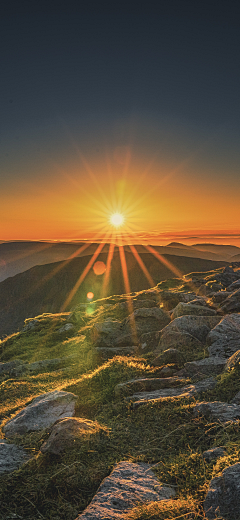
(165, 77)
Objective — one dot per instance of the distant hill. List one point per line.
(220, 249)
(44, 288)
(17, 257)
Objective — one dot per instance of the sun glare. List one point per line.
(117, 219)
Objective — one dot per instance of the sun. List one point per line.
(117, 219)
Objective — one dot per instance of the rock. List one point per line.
(191, 309)
(43, 412)
(149, 341)
(129, 484)
(66, 330)
(11, 457)
(170, 299)
(149, 294)
(145, 384)
(182, 392)
(213, 454)
(183, 341)
(234, 286)
(232, 303)
(104, 334)
(167, 371)
(64, 433)
(208, 366)
(136, 304)
(220, 296)
(236, 399)
(169, 356)
(233, 361)
(223, 495)
(146, 320)
(224, 338)
(31, 325)
(218, 411)
(11, 367)
(197, 326)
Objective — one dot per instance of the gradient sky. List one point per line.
(119, 107)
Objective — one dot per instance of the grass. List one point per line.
(165, 434)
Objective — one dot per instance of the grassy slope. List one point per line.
(166, 434)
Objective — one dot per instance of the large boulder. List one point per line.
(224, 338)
(106, 333)
(146, 320)
(169, 356)
(223, 495)
(43, 412)
(129, 484)
(197, 326)
(183, 309)
(11, 457)
(66, 431)
(217, 410)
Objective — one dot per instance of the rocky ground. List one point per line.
(127, 407)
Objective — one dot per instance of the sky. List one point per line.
(120, 107)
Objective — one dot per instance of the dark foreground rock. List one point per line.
(128, 485)
(43, 412)
(11, 457)
(223, 495)
(208, 366)
(197, 326)
(224, 338)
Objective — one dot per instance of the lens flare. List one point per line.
(90, 295)
(117, 219)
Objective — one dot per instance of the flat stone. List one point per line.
(197, 326)
(213, 454)
(66, 431)
(146, 384)
(11, 457)
(223, 495)
(217, 410)
(183, 309)
(11, 366)
(43, 412)
(208, 366)
(129, 484)
(224, 338)
(182, 392)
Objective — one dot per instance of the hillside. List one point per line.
(45, 288)
(141, 390)
(17, 257)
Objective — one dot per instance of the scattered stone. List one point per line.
(234, 286)
(31, 325)
(169, 356)
(149, 341)
(219, 411)
(108, 352)
(208, 366)
(224, 338)
(43, 412)
(197, 326)
(104, 334)
(129, 484)
(213, 454)
(136, 304)
(192, 309)
(149, 294)
(232, 303)
(167, 371)
(182, 392)
(223, 495)
(146, 320)
(145, 384)
(66, 431)
(170, 299)
(11, 457)
(233, 361)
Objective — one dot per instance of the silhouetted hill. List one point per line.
(45, 288)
